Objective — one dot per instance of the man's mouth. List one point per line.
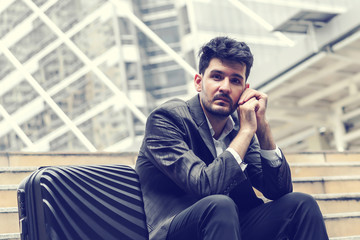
(223, 98)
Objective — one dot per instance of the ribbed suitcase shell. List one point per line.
(82, 202)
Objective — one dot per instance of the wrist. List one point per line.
(265, 137)
(249, 132)
(262, 128)
(242, 141)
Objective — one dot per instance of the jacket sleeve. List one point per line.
(169, 144)
(272, 182)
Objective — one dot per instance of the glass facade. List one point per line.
(82, 75)
(73, 64)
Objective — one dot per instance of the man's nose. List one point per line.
(225, 86)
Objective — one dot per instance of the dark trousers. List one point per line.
(295, 216)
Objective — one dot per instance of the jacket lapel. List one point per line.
(198, 116)
(236, 129)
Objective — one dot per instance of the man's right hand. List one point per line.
(247, 115)
(248, 126)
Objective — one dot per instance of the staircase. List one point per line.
(332, 178)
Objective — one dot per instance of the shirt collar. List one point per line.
(229, 126)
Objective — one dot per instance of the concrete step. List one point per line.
(14, 175)
(325, 169)
(8, 196)
(322, 157)
(333, 203)
(343, 224)
(50, 159)
(330, 184)
(9, 220)
(338, 202)
(10, 236)
(346, 238)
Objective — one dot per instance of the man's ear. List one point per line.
(197, 82)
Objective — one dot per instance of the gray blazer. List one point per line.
(177, 166)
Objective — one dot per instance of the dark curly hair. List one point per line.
(225, 48)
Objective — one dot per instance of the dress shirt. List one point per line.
(273, 157)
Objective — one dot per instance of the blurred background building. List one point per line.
(82, 75)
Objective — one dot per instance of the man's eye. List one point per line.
(236, 81)
(217, 77)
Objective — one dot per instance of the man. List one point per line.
(200, 160)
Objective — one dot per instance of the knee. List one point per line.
(302, 198)
(220, 204)
(305, 202)
(220, 218)
(219, 201)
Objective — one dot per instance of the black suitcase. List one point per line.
(82, 202)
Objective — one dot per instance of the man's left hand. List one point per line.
(262, 98)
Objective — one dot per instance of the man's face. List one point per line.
(221, 86)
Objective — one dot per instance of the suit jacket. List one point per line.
(177, 166)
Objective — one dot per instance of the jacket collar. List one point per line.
(196, 110)
(198, 116)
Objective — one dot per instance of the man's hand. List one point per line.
(258, 102)
(247, 115)
(252, 111)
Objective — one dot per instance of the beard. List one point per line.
(216, 109)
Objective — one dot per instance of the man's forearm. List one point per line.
(241, 142)
(265, 137)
